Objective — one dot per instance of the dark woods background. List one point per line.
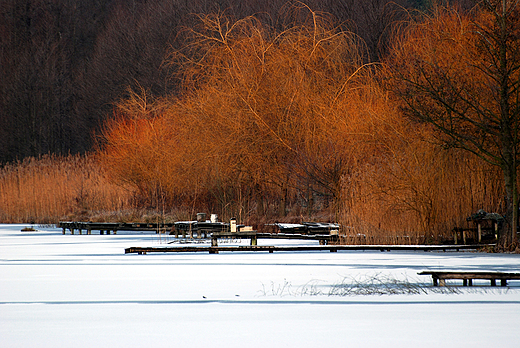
(63, 63)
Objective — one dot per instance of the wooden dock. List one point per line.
(439, 278)
(324, 232)
(271, 249)
(327, 234)
(112, 227)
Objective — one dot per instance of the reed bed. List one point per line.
(51, 188)
(397, 204)
(420, 197)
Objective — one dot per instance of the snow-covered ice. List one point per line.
(83, 291)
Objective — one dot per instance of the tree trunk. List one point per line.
(507, 133)
(508, 238)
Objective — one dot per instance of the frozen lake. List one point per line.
(83, 291)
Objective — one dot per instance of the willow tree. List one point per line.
(460, 73)
(281, 102)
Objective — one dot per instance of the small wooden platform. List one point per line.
(271, 249)
(439, 278)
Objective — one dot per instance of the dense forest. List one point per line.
(377, 114)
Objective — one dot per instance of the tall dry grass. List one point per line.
(52, 188)
(420, 194)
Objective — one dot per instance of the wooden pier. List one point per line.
(327, 234)
(112, 227)
(271, 249)
(205, 229)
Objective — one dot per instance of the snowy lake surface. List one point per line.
(84, 291)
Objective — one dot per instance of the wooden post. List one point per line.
(496, 230)
(493, 282)
(435, 281)
(455, 235)
(464, 282)
(464, 237)
(63, 232)
(503, 282)
(479, 229)
(214, 242)
(254, 240)
(442, 282)
(470, 282)
(72, 231)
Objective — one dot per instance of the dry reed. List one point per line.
(420, 197)
(51, 188)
